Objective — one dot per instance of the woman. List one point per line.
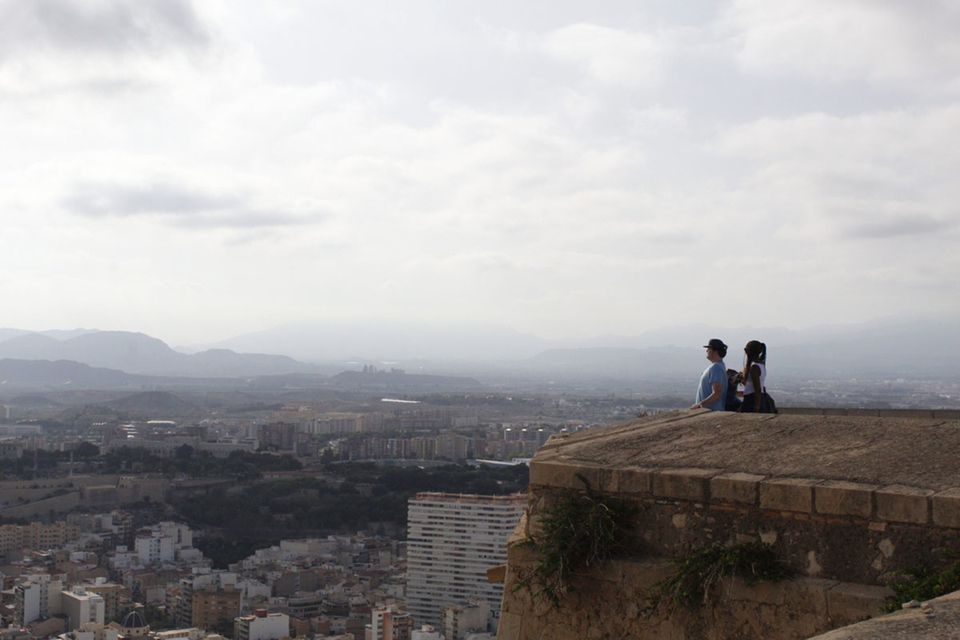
(754, 377)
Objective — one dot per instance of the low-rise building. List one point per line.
(262, 626)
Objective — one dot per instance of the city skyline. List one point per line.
(200, 170)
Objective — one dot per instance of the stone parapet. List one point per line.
(843, 498)
(608, 602)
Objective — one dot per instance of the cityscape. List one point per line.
(432, 320)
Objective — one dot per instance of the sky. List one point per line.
(197, 170)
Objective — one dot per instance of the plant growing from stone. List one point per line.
(576, 533)
(923, 585)
(698, 572)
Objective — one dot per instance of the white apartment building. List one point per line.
(452, 540)
(426, 632)
(82, 607)
(153, 549)
(262, 626)
(37, 596)
(166, 543)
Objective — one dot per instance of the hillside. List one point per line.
(138, 353)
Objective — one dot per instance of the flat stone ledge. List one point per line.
(633, 480)
(562, 474)
(897, 503)
(736, 487)
(839, 498)
(684, 484)
(946, 508)
(788, 494)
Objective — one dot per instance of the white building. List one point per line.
(82, 607)
(37, 596)
(166, 543)
(154, 549)
(262, 626)
(452, 540)
(426, 632)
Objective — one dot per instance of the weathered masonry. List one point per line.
(843, 499)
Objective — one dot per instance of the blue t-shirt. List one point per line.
(716, 372)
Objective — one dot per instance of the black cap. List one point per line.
(716, 344)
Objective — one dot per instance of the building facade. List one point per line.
(452, 539)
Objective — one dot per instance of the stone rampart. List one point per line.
(844, 500)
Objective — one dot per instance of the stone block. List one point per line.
(509, 627)
(946, 508)
(735, 487)
(497, 574)
(848, 602)
(633, 480)
(564, 474)
(787, 494)
(683, 484)
(897, 503)
(839, 498)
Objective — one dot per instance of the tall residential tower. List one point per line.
(452, 539)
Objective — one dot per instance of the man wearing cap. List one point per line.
(712, 392)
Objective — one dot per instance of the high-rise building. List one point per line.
(452, 540)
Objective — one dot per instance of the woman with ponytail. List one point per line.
(754, 377)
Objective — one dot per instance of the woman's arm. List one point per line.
(757, 389)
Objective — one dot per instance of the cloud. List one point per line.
(99, 46)
(898, 226)
(894, 43)
(606, 54)
(100, 27)
(179, 206)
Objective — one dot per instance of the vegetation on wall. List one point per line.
(698, 572)
(924, 584)
(576, 533)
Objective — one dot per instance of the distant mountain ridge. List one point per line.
(138, 353)
(918, 348)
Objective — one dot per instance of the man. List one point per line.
(712, 392)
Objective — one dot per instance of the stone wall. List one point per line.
(842, 501)
(822, 528)
(608, 603)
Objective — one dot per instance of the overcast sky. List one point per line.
(196, 170)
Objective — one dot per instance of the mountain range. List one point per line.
(138, 353)
(918, 348)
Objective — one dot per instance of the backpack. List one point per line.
(732, 402)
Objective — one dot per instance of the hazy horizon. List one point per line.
(202, 170)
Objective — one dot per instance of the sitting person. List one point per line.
(754, 376)
(712, 390)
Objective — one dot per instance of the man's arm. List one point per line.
(716, 391)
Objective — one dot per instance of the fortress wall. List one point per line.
(823, 528)
(608, 602)
(43, 508)
(842, 498)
